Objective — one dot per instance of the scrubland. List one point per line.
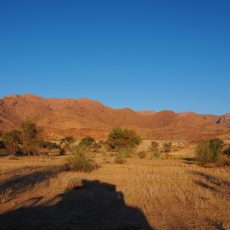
(149, 193)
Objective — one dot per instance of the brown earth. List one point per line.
(81, 117)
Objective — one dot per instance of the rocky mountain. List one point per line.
(81, 117)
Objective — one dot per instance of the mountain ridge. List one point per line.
(80, 117)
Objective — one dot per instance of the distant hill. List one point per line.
(81, 117)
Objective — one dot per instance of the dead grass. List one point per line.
(5, 194)
(172, 193)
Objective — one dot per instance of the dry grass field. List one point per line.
(175, 193)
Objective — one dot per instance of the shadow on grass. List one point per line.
(189, 160)
(212, 179)
(21, 183)
(212, 183)
(94, 205)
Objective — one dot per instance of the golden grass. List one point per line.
(173, 193)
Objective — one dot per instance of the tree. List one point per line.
(122, 138)
(209, 150)
(30, 135)
(12, 140)
(87, 142)
(167, 147)
(69, 139)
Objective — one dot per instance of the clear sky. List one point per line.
(145, 54)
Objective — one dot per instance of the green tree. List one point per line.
(123, 138)
(209, 150)
(69, 139)
(12, 141)
(30, 134)
(87, 142)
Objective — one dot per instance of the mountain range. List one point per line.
(81, 117)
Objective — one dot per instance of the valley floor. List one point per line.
(39, 193)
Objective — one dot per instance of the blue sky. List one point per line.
(146, 54)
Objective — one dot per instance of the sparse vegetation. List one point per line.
(87, 142)
(142, 154)
(156, 154)
(30, 134)
(81, 161)
(210, 150)
(119, 158)
(69, 139)
(154, 146)
(47, 145)
(123, 138)
(12, 141)
(127, 152)
(167, 147)
(154, 186)
(66, 144)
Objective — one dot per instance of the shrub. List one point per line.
(126, 152)
(69, 139)
(47, 145)
(167, 147)
(227, 151)
(142, 154)
(12, 141)
(87, 142)
(30, 134)
(210, 150)
(119, 159)
(29, 131)
(2, 146)
(81, 161)
(156, 154)
(123, 138)
(66, 144)
(154, 146)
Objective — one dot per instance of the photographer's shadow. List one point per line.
(93, 205)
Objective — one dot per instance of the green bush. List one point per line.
(47, 145)
(157, 154)
(12, 141)
(123, 138)
(81, 161)
(127, 152)
(87, 142)
(30, 134)
(69, 139)
(142, 154)
(209, 150)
